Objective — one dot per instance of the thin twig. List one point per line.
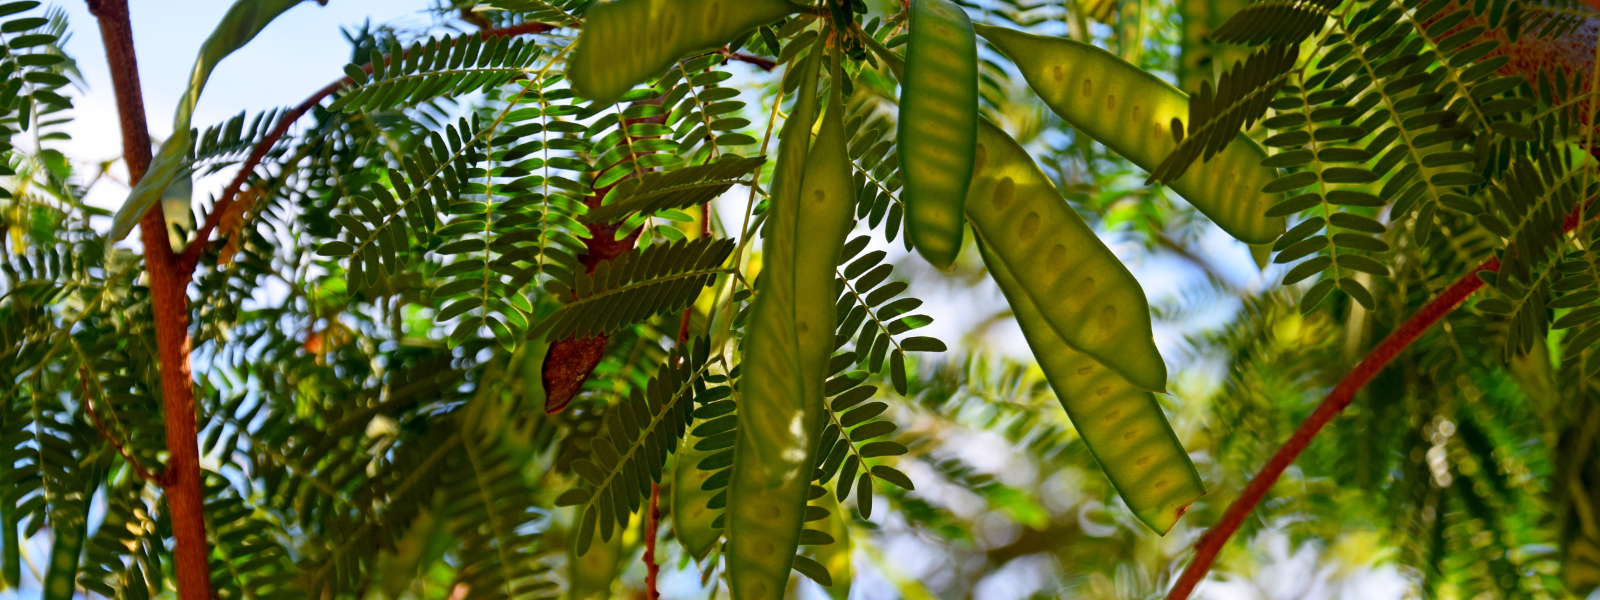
(1184, 253)
(652, 570)
(1212, 542)
(765, 64)
(88, 406)
(191, 254)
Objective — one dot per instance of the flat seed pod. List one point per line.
(1122, 425)
(691, 518)
(1131, 112)
(1086, 297)
(591, 574)
(65, 556)
(825, 217)
(938, 126)
(772, 456)
(627, 42)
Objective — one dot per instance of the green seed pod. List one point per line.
(1085, 295)
(627, 42)
(1131, 112)
(1119, 334)
(60, 580)
(591, 574)
(826, 216)
(690, 518)
(938, 126)
(772, 451)
(1122, 426)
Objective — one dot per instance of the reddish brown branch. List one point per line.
(766, 64)
(100, 426)
(1212, 542)
(191, 254)
(169, 282)
(652, 570)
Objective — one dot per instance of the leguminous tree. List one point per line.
(582, 298)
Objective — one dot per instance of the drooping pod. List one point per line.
(692, 521)
(1131, 112)
(938, 126)
(1122, 426)
(625, 43)
(1106, 316)
(65, 555)
(590, 575)
(826, 216)
(1084, 294)
(1009, 203)
(772, 466)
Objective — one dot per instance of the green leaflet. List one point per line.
(678, 188)
(628, 460)
(834, 557)
(175, 206)
(646, 281)
(938, 126)
(626, 42)
(246, 19)
(533, 353)
(1131, 112)
(1122, 426)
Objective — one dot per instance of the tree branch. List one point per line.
(191, 253)
(652, 570)
(169, 301)
(1212, 542)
